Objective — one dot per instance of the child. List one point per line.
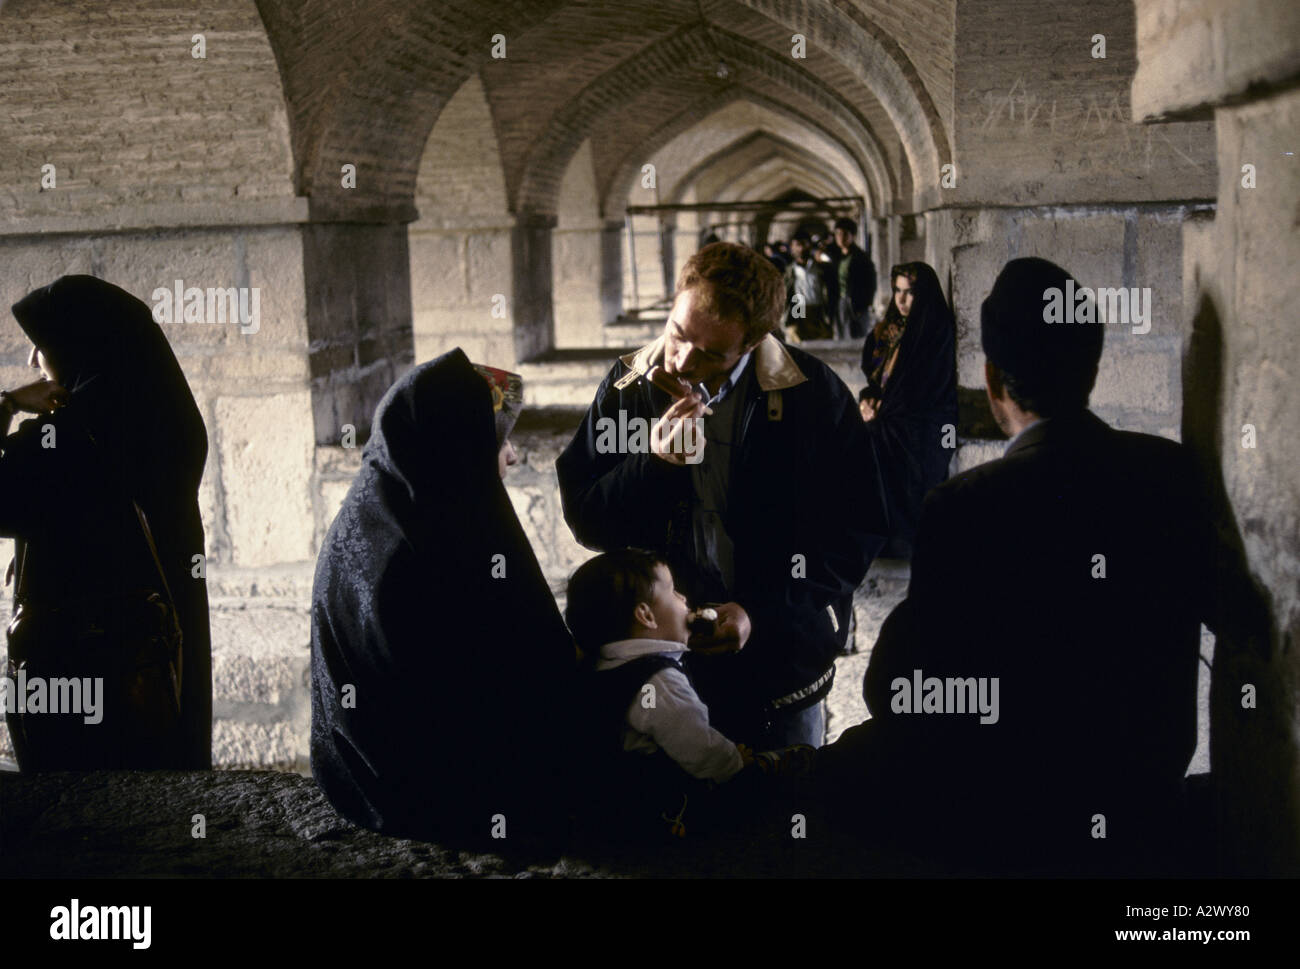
(651, 738)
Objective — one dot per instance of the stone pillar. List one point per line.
(892, 249)
(668, 250)
(611, 270)
(531, 306)
(579, 308)
(358, 284)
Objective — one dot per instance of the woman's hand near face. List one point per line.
(40, 397)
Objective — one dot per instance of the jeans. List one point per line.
(806, 726)
(850, 325)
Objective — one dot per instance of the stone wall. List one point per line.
(152, 126)
(1134, 247)
(1040, 120)
(1241, 369)
(460, 244)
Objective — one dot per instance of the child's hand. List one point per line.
(746, 754)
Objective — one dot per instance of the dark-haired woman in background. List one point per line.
(119, 428)
(910, 402)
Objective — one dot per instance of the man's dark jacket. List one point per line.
(804, 534)
(862, 278)
(1097, 675)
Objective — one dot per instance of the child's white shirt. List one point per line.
(678, 721)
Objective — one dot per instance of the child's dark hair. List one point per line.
(604, 592)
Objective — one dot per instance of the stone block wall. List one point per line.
(1133, 247)
(1241, 367)
(256, 495)
(357, 282)
(1040, 120)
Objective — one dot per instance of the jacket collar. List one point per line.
(774, 367)
(1054, 429)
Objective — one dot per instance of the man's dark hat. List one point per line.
(1017, 338)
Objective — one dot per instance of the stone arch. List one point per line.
(578, 243)
(460, 245)
(657, 65)
(742, 152)
(791, 218)
(366, 90)
(167, 166)
(156, 131)
(702, 116)
(849, 35)
(770, 177)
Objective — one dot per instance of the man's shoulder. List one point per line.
(818, 372)
(1102, 451)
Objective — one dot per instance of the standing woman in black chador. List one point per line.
(910, 361)
(441, 668)
(100, 491)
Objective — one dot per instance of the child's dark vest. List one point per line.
(631, 790)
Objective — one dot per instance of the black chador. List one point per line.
(130, 429)
(441, 668)
(913, 433)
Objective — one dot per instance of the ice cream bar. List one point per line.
(702, 621)
(665, 381)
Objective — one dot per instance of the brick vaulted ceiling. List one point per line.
(365, 81)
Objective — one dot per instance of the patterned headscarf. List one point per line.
(507, 398)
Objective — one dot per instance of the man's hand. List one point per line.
(41, 397)
(678, 436)
(730, 632)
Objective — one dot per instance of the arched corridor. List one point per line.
(525, 180)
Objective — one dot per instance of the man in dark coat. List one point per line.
(771, 523)
(1057, 593)
(856, 275)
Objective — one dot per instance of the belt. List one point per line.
(806, 691)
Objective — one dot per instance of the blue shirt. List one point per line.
(727, 384)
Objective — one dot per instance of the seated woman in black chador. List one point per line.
(910, 402)
(117, 424)
(441, 669)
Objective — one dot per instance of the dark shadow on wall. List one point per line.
(1250, 753)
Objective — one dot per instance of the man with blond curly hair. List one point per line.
(764, 516)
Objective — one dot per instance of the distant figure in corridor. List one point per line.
(441, 669)
(117, 427)
(910, 401)
(807, 303)
(856, 278)
(1037, 687)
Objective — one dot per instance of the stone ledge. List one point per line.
(273, 825)
(123, 824)
(229, 213)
